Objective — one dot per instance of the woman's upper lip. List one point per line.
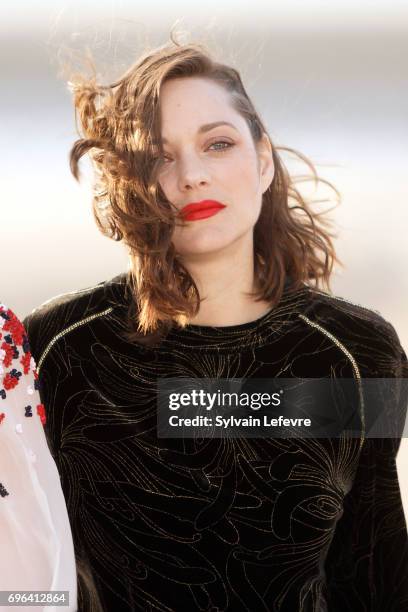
(194, 206)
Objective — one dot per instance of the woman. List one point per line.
(225, 292)
(37, 547)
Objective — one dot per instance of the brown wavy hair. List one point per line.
(119, 126)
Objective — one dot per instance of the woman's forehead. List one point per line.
(205, 85)
(194, 97)
(185, 109)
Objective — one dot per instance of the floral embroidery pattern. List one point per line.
(17, 367)
(16, 360)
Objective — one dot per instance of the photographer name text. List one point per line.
(226, 422)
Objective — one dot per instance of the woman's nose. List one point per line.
(192, 173)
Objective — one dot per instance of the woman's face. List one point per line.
(210, 163)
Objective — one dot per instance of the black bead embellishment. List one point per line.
(3, 491)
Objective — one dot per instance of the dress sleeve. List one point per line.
(35, 530)
(367, 562)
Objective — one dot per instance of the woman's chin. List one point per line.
(201, 248)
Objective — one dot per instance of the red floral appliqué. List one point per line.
(41, 412)
(9, 382)
(15, 327)
(25, 362)
(9, 353)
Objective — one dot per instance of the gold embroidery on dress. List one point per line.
(65, 331)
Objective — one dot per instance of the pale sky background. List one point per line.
(329, 80)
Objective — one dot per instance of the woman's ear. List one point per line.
(265, 163)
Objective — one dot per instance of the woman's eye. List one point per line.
(224, 146)
(221, 142)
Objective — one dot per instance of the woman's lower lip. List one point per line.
(201, 214)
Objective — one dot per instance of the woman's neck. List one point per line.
(223, 279)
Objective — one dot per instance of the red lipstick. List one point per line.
(201, 210)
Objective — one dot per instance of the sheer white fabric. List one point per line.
(37, 548)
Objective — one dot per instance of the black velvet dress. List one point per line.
(263, 524)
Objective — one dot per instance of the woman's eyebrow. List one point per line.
(207, 127)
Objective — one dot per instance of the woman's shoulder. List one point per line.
(362, 330)
(67, 310)
(329, 305)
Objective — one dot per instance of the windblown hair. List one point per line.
(120, 128)
(87, 591)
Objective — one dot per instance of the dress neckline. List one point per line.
(228, 328)
(222, 338)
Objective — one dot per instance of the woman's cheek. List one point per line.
(167, 185)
